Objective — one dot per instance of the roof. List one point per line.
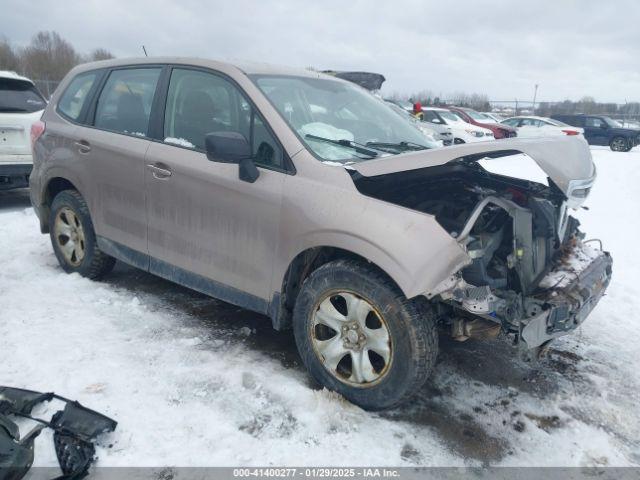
(14, 76)
(437, 109)
(249, 68)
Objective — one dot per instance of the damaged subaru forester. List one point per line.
(305, 198)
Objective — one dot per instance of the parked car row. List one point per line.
(450, 126)
(466, 126)
(462, 132)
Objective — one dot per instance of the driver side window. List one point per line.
(594, 122)
(199, 103)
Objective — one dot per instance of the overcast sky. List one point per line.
(501, 48)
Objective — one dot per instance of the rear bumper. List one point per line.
(14, 175)
(568, 305)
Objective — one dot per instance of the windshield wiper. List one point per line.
(358, 147)
(399, 146)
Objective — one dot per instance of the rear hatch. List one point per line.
(20, 105)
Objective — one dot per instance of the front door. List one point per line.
(596, 131)
(219, 231)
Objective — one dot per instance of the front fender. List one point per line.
(410, 246)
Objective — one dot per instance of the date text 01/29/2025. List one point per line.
(321, 472)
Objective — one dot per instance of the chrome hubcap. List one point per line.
(69, 235)
(351, 339)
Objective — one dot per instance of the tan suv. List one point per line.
(305, 198)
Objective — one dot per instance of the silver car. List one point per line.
(302, 197)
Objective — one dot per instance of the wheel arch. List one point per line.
(52, 187)
(299, 268)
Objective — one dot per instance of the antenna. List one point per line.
(145, 51)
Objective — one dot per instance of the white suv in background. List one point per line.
(462, 131)
(20, 106)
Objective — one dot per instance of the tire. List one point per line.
(73, 237)
(620, 144)
(410, 349)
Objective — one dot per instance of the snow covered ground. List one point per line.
(193, 381)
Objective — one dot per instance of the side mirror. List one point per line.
(227, 147)
(232, 147)
(604, 126)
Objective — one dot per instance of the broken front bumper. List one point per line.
(569, 300)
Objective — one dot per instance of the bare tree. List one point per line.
(9, 59)
(48, 57)
(100, 54)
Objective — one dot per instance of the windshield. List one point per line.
(450, 116)
(19, 96)
(477, 116)
(612, 123)
(337, 120)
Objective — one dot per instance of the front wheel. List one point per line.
(358, 335)
(73, 238)
(620, 144)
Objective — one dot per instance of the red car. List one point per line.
(471, 116)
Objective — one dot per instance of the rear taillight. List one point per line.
(37, 129)
(571, 132)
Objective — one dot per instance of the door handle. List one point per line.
(83, 146)
(159, 172)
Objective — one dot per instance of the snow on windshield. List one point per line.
(327, 150)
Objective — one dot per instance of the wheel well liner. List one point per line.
(281, 307)
(53, 188)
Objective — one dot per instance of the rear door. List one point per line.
(219, 231)
(113, 147)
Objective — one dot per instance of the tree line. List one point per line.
(589, 106)
(46, 59)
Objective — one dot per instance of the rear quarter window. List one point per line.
(19, 96)
(74, 97)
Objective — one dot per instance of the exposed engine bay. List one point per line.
(516, 233)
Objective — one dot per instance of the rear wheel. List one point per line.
(620, 144)
(73, 238)
(358, 335)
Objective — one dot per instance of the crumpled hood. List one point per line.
(566, 160)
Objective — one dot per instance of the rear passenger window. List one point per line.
(125, 102)
(73, 98)
(199, 103)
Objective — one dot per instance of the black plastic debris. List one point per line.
(75, 429)
(368, 80)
